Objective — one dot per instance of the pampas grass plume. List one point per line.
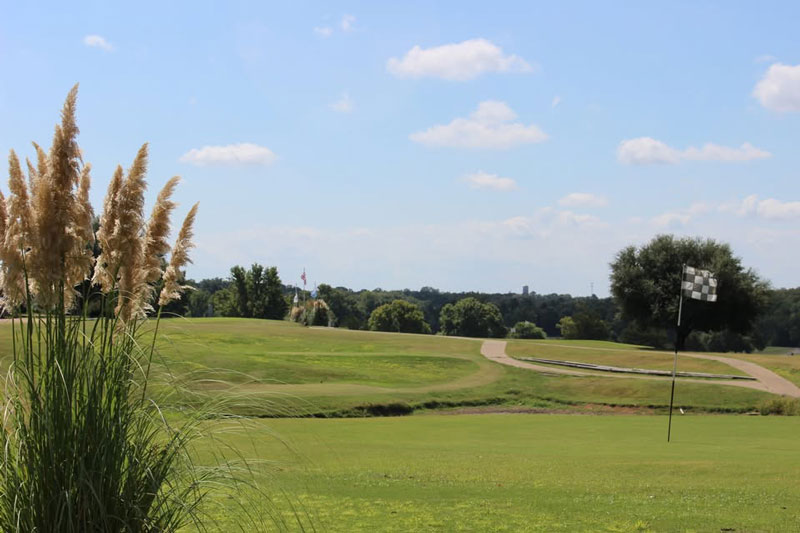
(180, 257)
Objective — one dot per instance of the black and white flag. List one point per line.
(699, 284)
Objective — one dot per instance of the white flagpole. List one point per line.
(675, 363)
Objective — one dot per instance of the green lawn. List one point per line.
(544, 473)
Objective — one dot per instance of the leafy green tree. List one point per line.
(567, 327)
(527, 330)
(239, 277)
(399, 316)
(276, 305)
(224, 302)
(256, 285)
(470, 317)
(199, 302)
(645, 282)
(584, 324)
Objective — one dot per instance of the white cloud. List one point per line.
(348, 23)
(344, 104)
(769, 208)
(484, 180)
(323, 31)
(671, 220)
(645, 151)
(648, 151)
(456, 62)
(555, 102)
(96, 41)
(715, 152)
(232, 154)
(583, 199)
(776, 209)
(489, 126)
(779, 89)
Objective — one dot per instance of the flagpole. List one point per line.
(675, 363)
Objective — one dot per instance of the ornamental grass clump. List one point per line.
(85, 448)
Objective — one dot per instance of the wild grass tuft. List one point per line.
(85, 447)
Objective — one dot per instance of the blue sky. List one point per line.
(461, 145)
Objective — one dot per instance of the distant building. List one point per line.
(524, 290)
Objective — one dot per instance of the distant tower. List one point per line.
(524, 290)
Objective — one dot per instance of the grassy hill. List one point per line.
(278, 368)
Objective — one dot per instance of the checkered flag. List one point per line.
(699, 284)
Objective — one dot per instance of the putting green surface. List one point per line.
(531, 472)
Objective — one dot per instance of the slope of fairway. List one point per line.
(277, 368)
(544, 473)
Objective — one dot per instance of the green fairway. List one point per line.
(532, 472)
(278, 368)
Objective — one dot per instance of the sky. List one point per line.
(459, 145)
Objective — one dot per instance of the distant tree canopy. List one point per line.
(645, 283)
(527, 330)
(254, 293)
(470, 317)
(399, 316)
(584, 325)
(780, 323)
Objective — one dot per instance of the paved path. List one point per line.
(767, 380)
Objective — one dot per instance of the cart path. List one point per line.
(767, 380)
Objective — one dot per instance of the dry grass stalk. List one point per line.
(105, 266)
(180, 257)
(53, 208)
(80, 259)
(128, 239)
(19, 236)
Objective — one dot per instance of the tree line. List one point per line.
(641, 310)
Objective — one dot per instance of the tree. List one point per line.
(527, 330)
(239, 277)
(470, 317)
(276, 305)
(256, 293)
(645, 282)
(399, 316)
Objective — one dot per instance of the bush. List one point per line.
(527, 330)
(780, 406)
(400, 317)
(471, 318)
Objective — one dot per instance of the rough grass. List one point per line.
(534, 472)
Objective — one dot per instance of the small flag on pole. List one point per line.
(699, 284)
(296, 299)
(303, 277)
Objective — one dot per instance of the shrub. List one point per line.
(780, 406)
(527, 330)
(85, 446)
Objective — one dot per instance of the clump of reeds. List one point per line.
(85, 448)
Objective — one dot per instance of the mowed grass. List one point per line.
(277, 368)
(614, 354)
(544, 473)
